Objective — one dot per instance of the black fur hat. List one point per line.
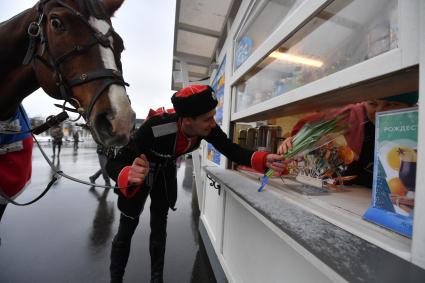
(194, 100)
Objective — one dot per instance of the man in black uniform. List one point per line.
(164, 136)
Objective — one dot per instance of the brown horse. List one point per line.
(69, 48)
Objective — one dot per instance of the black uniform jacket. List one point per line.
(156, 138)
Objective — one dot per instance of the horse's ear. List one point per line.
(112, 5)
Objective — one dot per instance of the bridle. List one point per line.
(108, 76)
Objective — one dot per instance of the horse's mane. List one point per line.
(93, 8)
(14, 17)
(88, 7)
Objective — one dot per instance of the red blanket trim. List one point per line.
(16, 169)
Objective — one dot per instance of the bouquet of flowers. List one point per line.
(311, 137)
(325, 164)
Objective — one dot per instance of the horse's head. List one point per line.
(76, 56)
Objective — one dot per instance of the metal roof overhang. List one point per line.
(200, 30)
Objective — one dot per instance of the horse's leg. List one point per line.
(54, 149)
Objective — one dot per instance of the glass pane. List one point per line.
(343, 34)
(264, 18)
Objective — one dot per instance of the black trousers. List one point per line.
(2, 208)
(131, 208)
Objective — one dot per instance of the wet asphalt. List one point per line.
(66, 236)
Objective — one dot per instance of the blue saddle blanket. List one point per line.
(18, 123)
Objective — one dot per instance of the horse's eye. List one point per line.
(56, 24)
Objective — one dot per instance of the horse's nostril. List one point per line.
(111, 131)
(103, 124)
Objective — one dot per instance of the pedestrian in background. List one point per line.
(57, 135)
(102, 155)
(76, 138)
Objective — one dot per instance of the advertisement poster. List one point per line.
(394, 174)
(243, 51)
(218, 86)
(213, 154)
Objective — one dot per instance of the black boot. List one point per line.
(120, 250)
(2, 208)
(107, 183)
(119, 256)
(157, 242)
(157, 252)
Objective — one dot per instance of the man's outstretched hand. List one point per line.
(275, 162)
